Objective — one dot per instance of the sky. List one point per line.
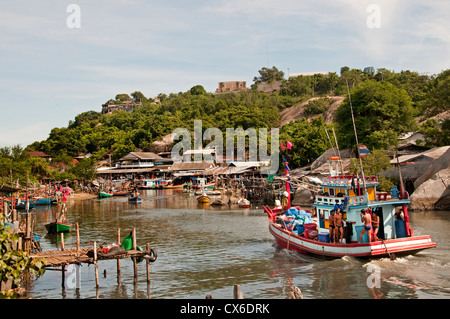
(58, 60)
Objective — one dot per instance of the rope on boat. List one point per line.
(391, 257)
(289, 238)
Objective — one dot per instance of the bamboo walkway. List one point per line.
(64, 257)
(56, 258)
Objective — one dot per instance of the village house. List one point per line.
(41, 155)
(231, 86)
(127, 106)
(136, 164)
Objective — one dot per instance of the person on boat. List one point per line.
(331, 227)
(366, 218)
(339, 229)
(375, 224)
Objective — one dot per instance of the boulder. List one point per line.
(434, 193)
(432, 188)
(443, 162)
(163, 144)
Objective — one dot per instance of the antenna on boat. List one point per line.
(356, 136)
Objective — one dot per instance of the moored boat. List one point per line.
(58, 227)
(244, 203)
(208, 192)
(120, 193)
(148, 183)
(346, 193)
(172, 186)
(105, 194)
(203, 199)
(44, 200)
(134, 199)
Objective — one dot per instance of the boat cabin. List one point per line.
(352, 194)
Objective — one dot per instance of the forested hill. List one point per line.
(385, 103)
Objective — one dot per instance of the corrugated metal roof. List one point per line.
(190, 166)
(125, 170)
(434, 153)
(140, 155)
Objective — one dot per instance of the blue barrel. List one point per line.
(324, 237)
(400, 229)
(365, 238)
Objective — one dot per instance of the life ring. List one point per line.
(152, 256)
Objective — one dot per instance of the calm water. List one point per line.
(206, 250)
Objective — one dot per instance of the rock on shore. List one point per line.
(432, 189)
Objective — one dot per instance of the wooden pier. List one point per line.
(63, 257)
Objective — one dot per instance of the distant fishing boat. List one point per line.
(44, 200)
(121, 193)
(203, 199)
(210, 185)
(171, 186)
(134, 199)
(58, 227)
(22, 204)
(208, 192)
(105, 195)
(148, 183)
(244, 203)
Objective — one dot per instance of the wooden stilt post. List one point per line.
(96, 265)
(77, 228)
(63, 276)
(62, 241)
(148, 264)
(134, 258)
(134, 239)
(238, 292)
(118, 260)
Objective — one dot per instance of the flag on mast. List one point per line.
(363, 151)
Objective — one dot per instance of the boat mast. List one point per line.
(356, 136)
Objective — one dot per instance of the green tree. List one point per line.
(123, 97)
(435, 134)
(438, 99)
(197, 90)
(381, 112)
(309, 140)
(268, 75)
(84, 169)
(138, 97)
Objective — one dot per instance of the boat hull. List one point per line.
(58, 227)
(203, 199)
(134, 199)
(45, 201)
(124, 193)
(104, 195)
(292, 241)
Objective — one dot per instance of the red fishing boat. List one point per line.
(395, 236)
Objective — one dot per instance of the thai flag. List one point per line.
(363, 151)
